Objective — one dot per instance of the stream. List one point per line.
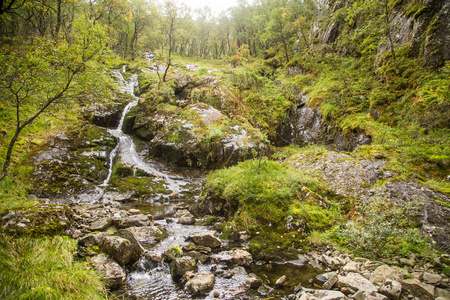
(150, 279)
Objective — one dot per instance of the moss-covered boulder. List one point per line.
(39, 220)
(72, 163)
(198, 136)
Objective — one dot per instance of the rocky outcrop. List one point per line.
(106, 114)
(63, 165)
(198, 136)
(305, 125)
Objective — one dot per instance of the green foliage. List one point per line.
(44, 268)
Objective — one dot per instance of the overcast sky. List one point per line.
(216, 5)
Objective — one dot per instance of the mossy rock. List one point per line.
(49, 219)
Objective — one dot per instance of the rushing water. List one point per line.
(151, 279)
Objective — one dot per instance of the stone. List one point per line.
(356, 282)
(445, 294)
(92, 239)
(280, 282)
(330, 282)
(134, 211)
(310, 294)
(179, 266)
(183, 216)
(133, 221)
(351, 267)
(207, 239)
(147, 235)
(109, 270)
(384, 272)
(417, 289)
(430, 278)
(234, 257)
(101, 224)
(173, 252)
(392, 289)
(200, 284)
(253, 281)
(198, 256)
(120, 249)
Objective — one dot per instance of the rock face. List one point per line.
(63, 166)
(197, 136)
(106, 114)
(109, 270)
(306, 126)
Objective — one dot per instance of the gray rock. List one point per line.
(430, 278)
(351, 267)
(442, 293)
(310, 294)
(392, 289)
(417, 289)
(200, 284)
(383, 273)
(234, 257)
(120, 249)
(356, 282)
(101, 224)
(207, 239)
(330, 282)
(133, 221)
(109, 270)
(179, 266)
(148, 235)
(92, 239)
(183, 216)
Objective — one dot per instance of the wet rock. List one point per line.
(392, 289)
(280, 282)
(148, 235)
(133, 221)
(121, 250)
(179, 266)
(207, 239)
(234, 257)
(417, 289)
(183, 216)
(310, 294)
(356, 282)
(109, 270)
(383, 273)
(104, 114)
(172, 253)
(253, 281)
(200, 284)
(198, 256)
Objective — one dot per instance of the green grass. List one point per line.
(44, 268)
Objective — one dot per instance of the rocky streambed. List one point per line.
(137, 219)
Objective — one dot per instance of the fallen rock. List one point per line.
(392, 289)
(356, 282)
(330, 282)
(200, 284)
(417, 289)
(310, 294)
(109, 270)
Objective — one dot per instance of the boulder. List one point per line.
(200, 284)
(330, 282)
(147, 235)
(383, 273)
(133, 221)
(207, 239)
(351, 267)
(121, 250)
(101, 224)
(356, 282)
(280, 282)
(430, 278)
(417, 289)
(173, 252)
(183, 216)
(234, 257)
(310, 294)
(179, 266)
(92, 239)
(392, 289)
(109, 270)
